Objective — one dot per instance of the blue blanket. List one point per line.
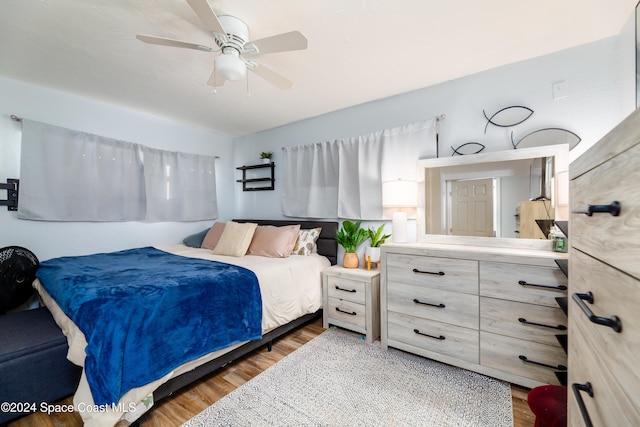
(144, 312)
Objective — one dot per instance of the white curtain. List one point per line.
(343, 178)
(310, 187)
(67, 175)
(179, 186)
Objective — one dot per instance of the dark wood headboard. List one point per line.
(327, 244)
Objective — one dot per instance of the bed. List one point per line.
(289, 295)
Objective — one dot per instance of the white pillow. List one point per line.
(306, 244)
(235, 239)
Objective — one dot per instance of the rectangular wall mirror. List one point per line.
(515, 194)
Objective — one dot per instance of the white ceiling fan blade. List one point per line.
(171, 42)
(293, 40)
(207, 16)
(215, 80)
(271, 76)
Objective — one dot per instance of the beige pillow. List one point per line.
(235, 239)
(274, 242)
(306, 244)
(213, 236)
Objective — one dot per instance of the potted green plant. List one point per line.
(350, 236)
(266, 156)
(372, 253)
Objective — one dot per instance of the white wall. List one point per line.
(591, 74)
(51, 239)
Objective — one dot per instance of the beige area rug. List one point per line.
(338, 380)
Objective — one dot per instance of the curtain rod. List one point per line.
(19, 119)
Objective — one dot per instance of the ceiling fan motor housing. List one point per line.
(229, 64)
(237, 32)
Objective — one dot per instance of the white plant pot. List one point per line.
(374, 253)
(266, 161)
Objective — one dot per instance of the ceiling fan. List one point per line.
(231, 35)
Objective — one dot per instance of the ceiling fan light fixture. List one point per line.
(230, 66)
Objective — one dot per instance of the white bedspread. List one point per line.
(290, 287)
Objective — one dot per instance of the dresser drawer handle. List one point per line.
(557, 368)
(526, 322)
(555, 288)
(345, 290)
(436, 273)
(417, 301)
(441, 337)
(613, 209)
(613, 322)
(350, 313)
(577, 388)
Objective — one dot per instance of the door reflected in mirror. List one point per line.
(499, 194)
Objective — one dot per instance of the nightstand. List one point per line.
(351, 298)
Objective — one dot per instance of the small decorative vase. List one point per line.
(373, 253)
(350, 260)
(266, 161)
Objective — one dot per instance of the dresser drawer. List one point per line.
(610, 405)
(434, 304)
(346, 289)
(614, 294)
(516, 282)
(438, 273)
(503, 353)
(347, 314)
(442, 338)
(529, 322)
(604, 234)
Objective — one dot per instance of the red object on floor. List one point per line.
(549, 404)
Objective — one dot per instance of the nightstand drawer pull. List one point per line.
(559, 367)
(577, 388)
(436, 273)
(417, 301)
(417, 331)
(556, 288)
(613, 209)
(351, 313)
(613, 322)
(345, 290)
(526, 322)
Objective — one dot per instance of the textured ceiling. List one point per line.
(358, 50)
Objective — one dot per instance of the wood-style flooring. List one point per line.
(190, 401)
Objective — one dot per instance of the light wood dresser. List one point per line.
(604, 285)
(352, 300)
(487, 309)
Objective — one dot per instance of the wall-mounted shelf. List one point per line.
(257, 184)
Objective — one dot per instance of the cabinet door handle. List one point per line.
(437, 273)
(613, 322)
(417, 301)
(555, 288)
(345, 290)
(441, 337)
(350, 313)
(533, 362)
(577, 388)
(526, 322)
(613, 208)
